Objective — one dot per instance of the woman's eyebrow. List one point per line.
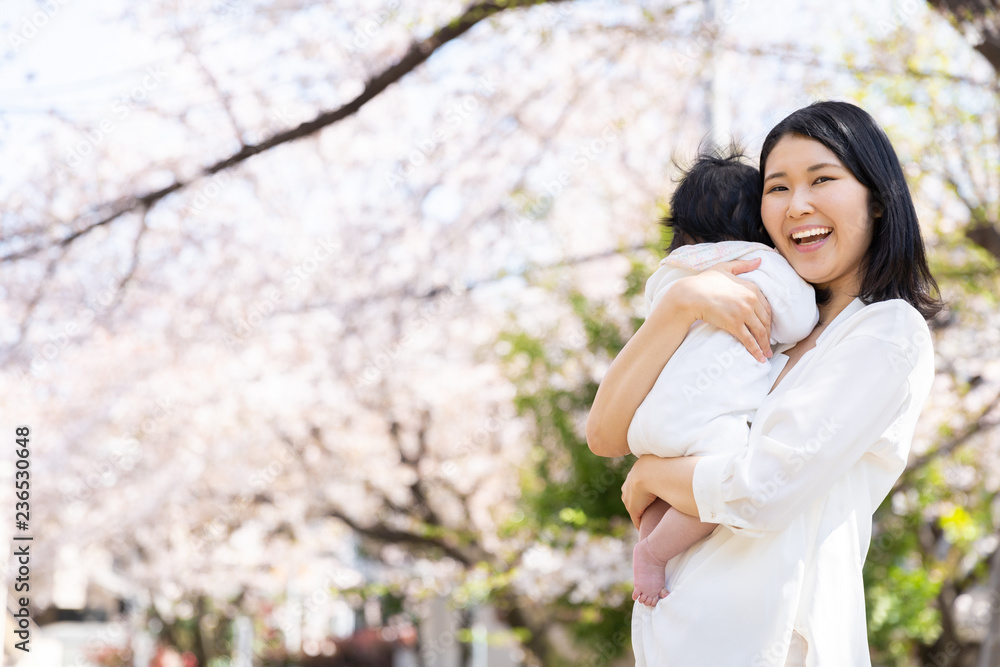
(821, 165)
(815, 167)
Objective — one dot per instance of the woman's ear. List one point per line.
(876, 208)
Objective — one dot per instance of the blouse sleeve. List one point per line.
(859, 397)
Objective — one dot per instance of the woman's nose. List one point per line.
(799, 205)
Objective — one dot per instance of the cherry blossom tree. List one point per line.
(313, 305)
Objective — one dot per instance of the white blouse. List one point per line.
(795, 506)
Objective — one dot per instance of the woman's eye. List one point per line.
(823, 179)
(778, 188)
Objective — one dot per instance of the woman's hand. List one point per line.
(734, 305)
(635, 495)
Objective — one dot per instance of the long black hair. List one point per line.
(717, 199)
(894, 266)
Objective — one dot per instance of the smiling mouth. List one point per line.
(811, 236)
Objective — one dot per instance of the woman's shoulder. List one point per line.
(893, 322)
(893, 316)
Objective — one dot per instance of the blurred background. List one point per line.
(305, 304)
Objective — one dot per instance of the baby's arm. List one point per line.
(672, 534)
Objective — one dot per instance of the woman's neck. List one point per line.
(829, 310)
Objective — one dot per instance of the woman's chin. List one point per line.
(814, 280)
(810, 272)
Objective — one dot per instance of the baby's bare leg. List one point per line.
(651, 516)
(672, 534)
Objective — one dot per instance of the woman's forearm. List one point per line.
(672, 480)
(652, 477)
(631, 376)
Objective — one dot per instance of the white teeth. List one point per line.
(811, 232)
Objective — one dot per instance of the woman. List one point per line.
(779, 582)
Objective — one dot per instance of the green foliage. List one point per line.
(965, 268)
(565, 487)
(564, 483)
(899, 593)
(207, 632)
(917, 554)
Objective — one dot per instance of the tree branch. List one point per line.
(29, 310)
(973, 426)
(986, 236)
(440, 290)
(981, 14)
(383, 533)
(134, 264)
(419, 52)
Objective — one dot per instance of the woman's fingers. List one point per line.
(759, 322)
(633, 513)
(633, 497)
(763, 309)
(750, 342)
(761, 340)
(738, 266)
(736, 305)
(635, 518)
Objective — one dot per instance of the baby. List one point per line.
(706, 395)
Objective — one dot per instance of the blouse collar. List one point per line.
(842, 316)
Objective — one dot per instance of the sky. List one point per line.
(74, 56)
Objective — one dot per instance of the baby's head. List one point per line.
(717, 199)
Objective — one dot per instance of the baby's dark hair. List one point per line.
(717, 199)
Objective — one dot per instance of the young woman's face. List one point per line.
(816, 212)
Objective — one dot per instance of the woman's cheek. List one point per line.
(771, 217)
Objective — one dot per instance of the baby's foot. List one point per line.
(649, 575)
